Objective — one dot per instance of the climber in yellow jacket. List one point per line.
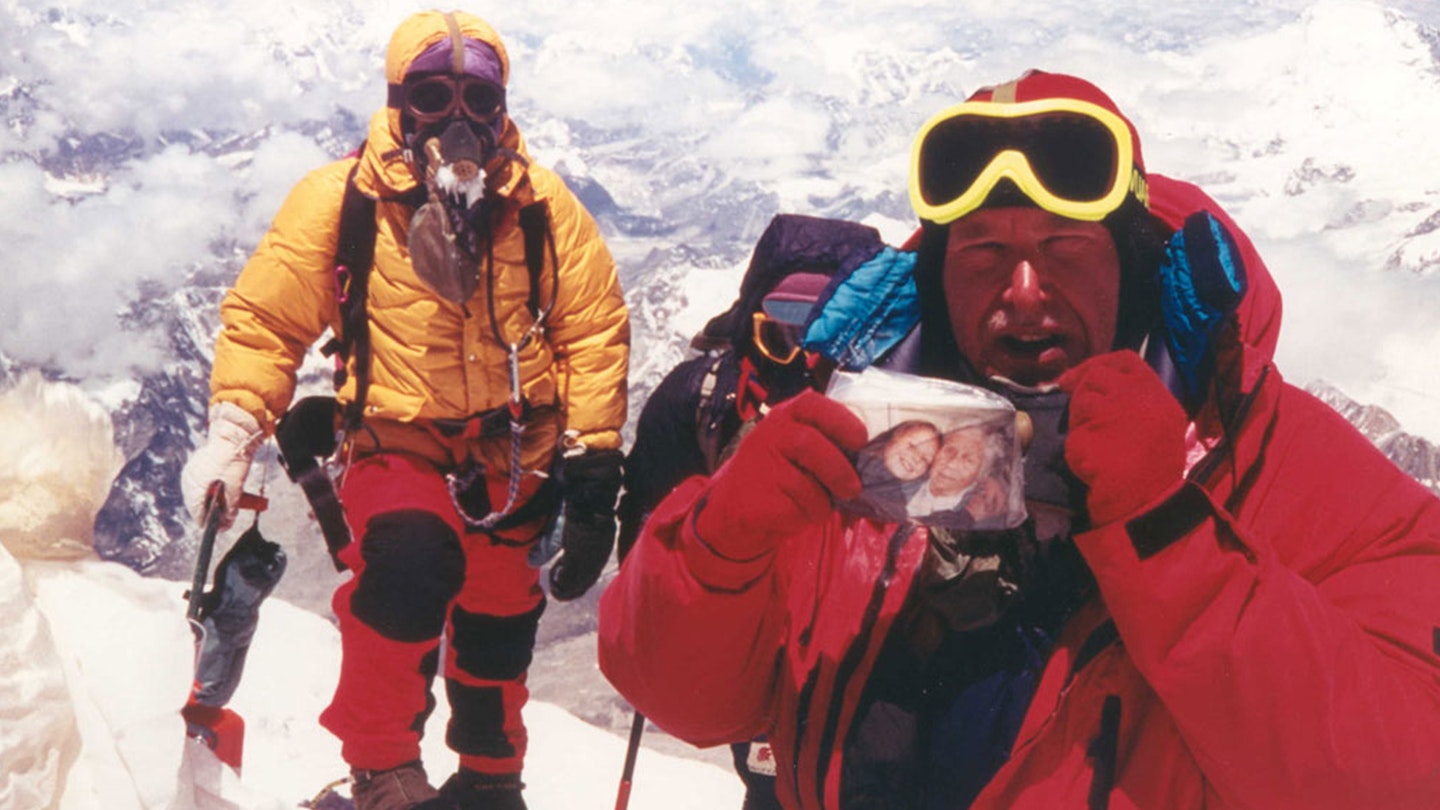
(487, 397)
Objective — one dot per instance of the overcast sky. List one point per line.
(1314, 123)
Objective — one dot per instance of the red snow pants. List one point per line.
(418, 576)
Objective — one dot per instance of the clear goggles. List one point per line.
(1071, 157)
(438, 96)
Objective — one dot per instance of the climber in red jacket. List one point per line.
(1225, 596)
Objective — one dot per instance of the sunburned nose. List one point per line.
(1024, 289)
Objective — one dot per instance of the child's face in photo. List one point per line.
(959, 461)
(909, 452)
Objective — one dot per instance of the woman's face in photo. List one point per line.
(910, 451)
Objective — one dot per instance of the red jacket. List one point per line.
(1284, 652)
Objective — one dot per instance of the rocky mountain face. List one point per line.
(1416, 456)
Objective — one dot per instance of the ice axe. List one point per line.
(223, 620)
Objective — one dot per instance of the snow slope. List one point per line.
(122, 646)
(95, 662)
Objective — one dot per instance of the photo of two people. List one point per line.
(941, 453)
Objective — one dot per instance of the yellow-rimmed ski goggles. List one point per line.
(1071, 157)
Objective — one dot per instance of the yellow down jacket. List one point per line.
(430, 358)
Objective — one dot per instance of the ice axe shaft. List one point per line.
(214, 515)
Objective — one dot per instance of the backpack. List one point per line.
(698, 413)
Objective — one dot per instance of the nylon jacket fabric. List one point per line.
(431, 358)
(1280, 651)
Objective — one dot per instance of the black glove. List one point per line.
(590, 484)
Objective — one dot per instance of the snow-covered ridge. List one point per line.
(1416, 456)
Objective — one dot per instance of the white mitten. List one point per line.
(225, 456)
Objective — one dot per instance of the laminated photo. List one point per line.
(941, 453)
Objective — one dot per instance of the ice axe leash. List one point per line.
(627, 775)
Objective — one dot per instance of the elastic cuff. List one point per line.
(713, 568)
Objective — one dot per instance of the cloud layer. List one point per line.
(144, 144)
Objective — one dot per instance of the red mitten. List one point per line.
(785, 476)
(1127, 434)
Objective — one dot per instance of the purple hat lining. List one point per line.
(481, 61)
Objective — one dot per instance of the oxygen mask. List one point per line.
(450, 233)
(455, 161)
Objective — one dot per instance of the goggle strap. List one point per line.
(457, 44)
(1139, 186)
(1005, 93)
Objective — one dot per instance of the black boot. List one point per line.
(472, 790)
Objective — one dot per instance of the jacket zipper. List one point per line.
(1205, 468)
(1097, 642)
(845, 670)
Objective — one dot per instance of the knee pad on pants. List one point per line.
(413, 567)
(494, 648)
(477, 721)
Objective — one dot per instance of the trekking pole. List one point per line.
(637, 727)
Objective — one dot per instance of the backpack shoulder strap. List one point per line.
(354, 256)
(707, 432)
(535, 227)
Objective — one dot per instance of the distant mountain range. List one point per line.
(683, 187)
